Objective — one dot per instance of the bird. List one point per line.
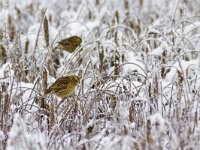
(70, 44)
(64, 86)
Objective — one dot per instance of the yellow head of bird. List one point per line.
(76, 79)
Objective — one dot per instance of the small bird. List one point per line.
(64, 87)
(70, 44)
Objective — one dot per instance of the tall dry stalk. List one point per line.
(131, 114)
(141, 3)
(1, 34)
(117, 16)
(11, 28)
(164, 61)
(97, 2)
(6, 103)
(3, 54)
(44, 85)
(113, 103)
(149, 136)
(116, 39)
(156, 87)
(46, 31)
(44, 80)
(52, 114)
(18, 11)
(126, 5)
(180, 85)
(116, 56)
(26, 46)
(101, 59)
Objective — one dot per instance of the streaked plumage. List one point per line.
(70, 44)
(64, 86)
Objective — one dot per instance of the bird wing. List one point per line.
(60, 84)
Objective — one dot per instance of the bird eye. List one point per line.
(76, 79)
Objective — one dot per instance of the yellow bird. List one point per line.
(70, 44)
(64, 87)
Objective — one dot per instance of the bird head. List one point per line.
(76, 79)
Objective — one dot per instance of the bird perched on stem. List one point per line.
(70, 44)
(64, 87)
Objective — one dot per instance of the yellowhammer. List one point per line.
(70, 44)
(64, 86)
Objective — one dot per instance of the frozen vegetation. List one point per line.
(139, 66)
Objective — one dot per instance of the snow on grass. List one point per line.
(139, 69)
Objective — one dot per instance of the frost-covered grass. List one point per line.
(139, 65)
